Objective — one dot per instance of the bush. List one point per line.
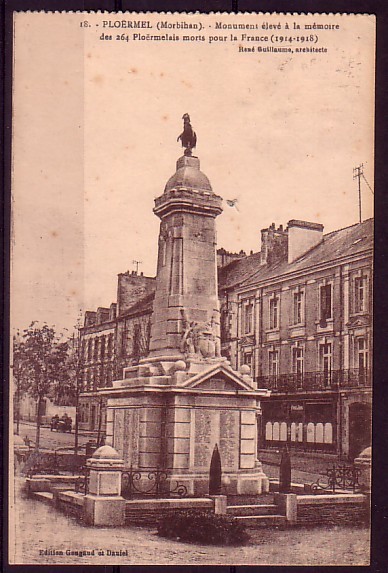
(203, 527)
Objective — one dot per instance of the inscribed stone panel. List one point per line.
(126, 430)
(203, 440)
(118, 425)
(229, 439)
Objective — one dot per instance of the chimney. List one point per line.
(273, 244)
(302, 236)
(131, 287)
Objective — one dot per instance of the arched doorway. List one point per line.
(360, 428)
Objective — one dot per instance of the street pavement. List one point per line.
(48, 439)
(39, 532)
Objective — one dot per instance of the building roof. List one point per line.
(142, 306)
(238, 270)
(338, 244)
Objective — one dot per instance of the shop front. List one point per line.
(304, 424)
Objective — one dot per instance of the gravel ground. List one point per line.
(39, 528)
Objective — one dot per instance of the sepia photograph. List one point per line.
(191, 289)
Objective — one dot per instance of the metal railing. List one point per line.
(317, 380)
(135, 483)
(338, 477)
(54, 463)
(82, 482)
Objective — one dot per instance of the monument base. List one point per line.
(171, 418)
(233, 483)
(104, 510)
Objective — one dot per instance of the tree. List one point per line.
(73, 385)
(42, 356)
(19, 374)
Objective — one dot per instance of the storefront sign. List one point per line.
(297, 408)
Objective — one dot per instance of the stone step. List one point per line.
(268, 509)
(253, 521)
(43, 496)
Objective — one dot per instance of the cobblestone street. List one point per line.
(40, 528)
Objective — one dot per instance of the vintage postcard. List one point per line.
(191, 289)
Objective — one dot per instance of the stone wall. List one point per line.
(332, 509)
(148, 512)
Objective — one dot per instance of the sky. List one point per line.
(95, 129)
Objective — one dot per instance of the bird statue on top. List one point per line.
(188, 136)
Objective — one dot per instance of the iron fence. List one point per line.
(82, 482)
(55, 462)
(154, 483)
(317, 380)
(338, 477)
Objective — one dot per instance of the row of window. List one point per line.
(98, 377)
(99, 348)
(298, 306)
(325, 359)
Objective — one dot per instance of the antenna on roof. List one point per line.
(357, 173)
(137, 263)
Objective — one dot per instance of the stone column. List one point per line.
(103, 504)
(186, 282)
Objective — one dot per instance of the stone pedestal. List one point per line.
(103, 504)
(364, 464)
(220, 504)
(174, 423)
(288, 505)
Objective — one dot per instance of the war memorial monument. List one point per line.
(184, 399)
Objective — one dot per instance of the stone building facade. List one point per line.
(112, 338)
(298, 313)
